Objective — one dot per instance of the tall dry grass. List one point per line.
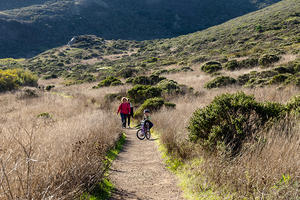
(53, 146)
(264, 170)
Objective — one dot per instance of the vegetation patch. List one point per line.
(104, 189)
(12, 79)
(211, 67)
(153, 104)
(139, 93)
(109, 81)
(229, 120)
(268, 59)
(220, 81)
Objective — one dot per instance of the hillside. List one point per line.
(27, 31)
(271, 31)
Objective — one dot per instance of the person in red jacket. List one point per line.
(124, 110)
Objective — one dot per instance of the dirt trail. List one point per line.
(139, 172)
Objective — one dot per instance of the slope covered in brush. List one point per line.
(44, 24)
(259, 35)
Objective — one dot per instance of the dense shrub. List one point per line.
(127, 72)
(220, 81)
(248, 63)
(153, 104)
(268, 59)
(280, 78)
(170, 105)
(11, 79)
(169, 86)
(109, 81)
(211, 67)
(229, 120)
(232, 65)
(147, 80)
(139, 93)
(293, 106)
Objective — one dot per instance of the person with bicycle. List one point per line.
(145, 126)
(147, 118)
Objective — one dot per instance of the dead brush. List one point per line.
(57, 159)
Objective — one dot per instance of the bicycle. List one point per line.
(144, 130)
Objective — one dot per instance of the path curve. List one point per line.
(139, 172)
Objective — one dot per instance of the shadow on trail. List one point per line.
(122, 194)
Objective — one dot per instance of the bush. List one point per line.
(153, 104)
(145, 80)
(139, 93)
(211, 67)
(169, 86)
(220, 81)
(280, 78)
(109, 81)
(268, 59)
(293, 106)
(170, 105)
(127, 72)
(229, 120)
(11, 79)
(232, 65)
(248, 63)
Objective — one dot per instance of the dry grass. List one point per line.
(269, 171)
(55, 155)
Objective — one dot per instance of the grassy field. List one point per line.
(53, 144)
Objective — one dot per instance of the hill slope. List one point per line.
(273, 30)
(29, 30)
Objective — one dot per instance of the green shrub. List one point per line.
(169, 86)
(280, 78)
(170, 105)
(211, 67)
(229, 120)
(109, 81)
(285, 69)
(268, 59)
(11, 79)
(248, 63)
(153, 104)
(127, 72)
(145, 80)
(220, 81)
(232, 65)
(44, 115)
(139, 93)
(293, 106)
(49, 76)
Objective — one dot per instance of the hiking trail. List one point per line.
(139, 172)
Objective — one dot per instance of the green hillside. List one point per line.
(271, 31)
(27, 31)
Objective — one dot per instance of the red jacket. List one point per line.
(124, 108)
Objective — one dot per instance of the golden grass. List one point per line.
(269, 171)
(52, 147)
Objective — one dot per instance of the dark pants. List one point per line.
(130, 115)
(123, 118)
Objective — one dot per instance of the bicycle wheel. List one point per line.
(140, 134)
(147, 131)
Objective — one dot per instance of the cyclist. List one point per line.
(147, 118)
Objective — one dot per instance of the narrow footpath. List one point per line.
(139, 172)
